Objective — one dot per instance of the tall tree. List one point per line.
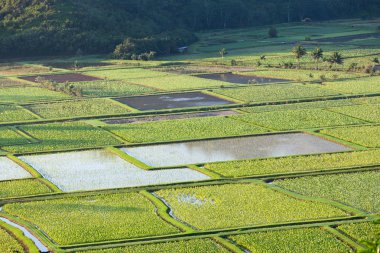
(299, 51)
(317, 55)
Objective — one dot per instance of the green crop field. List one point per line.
(9, 244)
(61, 136)
(93, 218)
(356, 189)
(241, 205)
(19, 188)
(298, 119)
(368, 136)
(244, 142)
(184, 129)
(194, 246)
(280, 92)
(89, 107)
(295, 164)
(292, 241)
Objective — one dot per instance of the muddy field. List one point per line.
(63, 78)
(171, 101)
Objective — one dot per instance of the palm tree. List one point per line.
(223, 52)
(336, 59)
(299, 51)
(317, 55)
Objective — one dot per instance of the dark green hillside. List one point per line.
(47, 27)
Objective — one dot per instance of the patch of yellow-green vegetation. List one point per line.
(5, 82)
(88, 107)
(368, 136)
(355, 86)
(26, 94)
(298, 119)
(12, 113)
(366, 112)
(126, 74)
(314, 240)
(365, 231)
(360, 190)
(112, 88)
(10, 137)
(9, 244)
(193, 246)
(295, 163)
(62, 136)
(18, 69)
(279, 92)
(25, 187)
(234, 205)
(93, 218)
(184, 129)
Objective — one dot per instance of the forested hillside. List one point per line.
(50, 27)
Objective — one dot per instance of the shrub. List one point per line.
(273, 32)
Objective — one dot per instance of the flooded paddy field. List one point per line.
(195, 152)
(171, 101)
(9, 170)
(100, 169)
(63, 78)
(170, 117)
(241, 79)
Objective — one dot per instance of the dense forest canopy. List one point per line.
(48, 27)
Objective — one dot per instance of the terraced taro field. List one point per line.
(190, 154)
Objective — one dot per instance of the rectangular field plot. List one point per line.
(27, 94)
(368, 112)
(8, 243)
(293, 164)
(303, 240)
(20, 188)
(270, 93)
(89, 107)
(368, 136)
(232, 149)
(184, 246)
(12, 113)
(93, 218)
(63, 136)
(112, 88)
(9, 170)
(360, 190)
(170, 117)
(99, 169)
(9, 137)
(172, 101)
(355, 86)
(299, 119)
(235, 205)
(184, 129)
(63, 78)
(241, 79)
(361, 231)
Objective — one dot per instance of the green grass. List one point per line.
(25, 94)
(9, 244)
(367, 112)
(234, 205)
(89, 107)
(360, 190)
(9, 137)
(355, 86)
(366, 231)
(295, 164)
(93, 218)
(19, 188)
(298, 119)
(112, 88)
(303, 240)
(61, 136)
(279, 92)
(193, 246)
(183, 129)
(11, 113)
(297, 106)
(127, 74)
(368, 136)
